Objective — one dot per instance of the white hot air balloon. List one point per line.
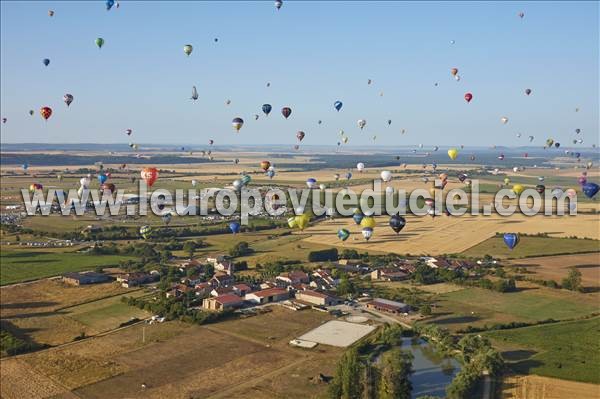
(386, 175)
(361, 123)
(360, 166)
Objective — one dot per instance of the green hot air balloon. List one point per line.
(246, 179)
(187, 49)
(145, 232)
(99, 42)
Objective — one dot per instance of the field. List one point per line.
(536, 387)
(234, 359)
(444, 235)
(24, 265)
(567, 350)
(557, 267)
(51, 313)
(533, 246)
(477, 306)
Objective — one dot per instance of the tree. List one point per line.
(240, 249)
(396, 367)
(573, 280)
(346, 382)
(189, 247)
(345, 286)
(425, 309)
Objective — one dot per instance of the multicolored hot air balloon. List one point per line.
(286, 112)
(237, 123)
(109, 4)
(46, 112)
(343, 234)
(590, 189)
(278, 4)
(311, 182)
(265, 165)
(99, 42)
(35, 187)
(361, 123)
(468, 97)
(187, 49)
(338, 105)
(68, 99)
(149, 175)
(266, 108)
(397, 223)
(146, 232)
(358, 216)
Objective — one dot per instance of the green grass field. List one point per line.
(532, 246)
(477, 306)
(25, 265)
(569, 350)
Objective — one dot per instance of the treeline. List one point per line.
(520, 324)
(173, 309)
(11, 345)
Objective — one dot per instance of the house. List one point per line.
(187, 264)
(215, 259)
(388, 275)
(292, 278)
(268, 295)
(223, 302)
(85, 278)
(222, 280)
(203, 289)
(317, 298)
(218, 291)
(385, 305)
(134, 279)
(323, 280)
(241, 289)
(192, 280)
(178, 291)
(225, 266)
(351, 267)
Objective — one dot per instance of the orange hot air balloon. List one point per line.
(264, 165)
(149, 175)
(468, 97)
(46, 112)
(454, 71)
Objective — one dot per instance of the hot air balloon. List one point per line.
(360, 166)
(85, 182)
(521, 14)
(506, 181)
(462, 177)
(246, 179)
(367, 233)
(46, 61)
(311, 182)
(4, 120)
(286, 112)
(577, 131)
(454, 71)
(46, 112)
(357, 216)
(397, 223)
(302, 221)
(501, 157)
(108, 187)
(50, 13)
(266, 108)
(389, 122)
(528, 91)
(237, 184)
(511, 240)
(368, 221)
(271, 173)
(343, 234)
(348, 175)
(292, 222)
(278, 4)
(149, 175)
(264, 165)
(187, 49)
(102, 177)
(337, 105)
(549, 142)
(68, 99)
(361, 123)
(453, 153)
(99, 42)
(237, 123)
(468, 97)
(386, 175)
(31, 112)
(194, 93)
(531, 138)
(540, 188)
(590, 189)
(300, 135)
(504, 120)
(235, 227)
(517, 189)
(146, 232)
(35, 187)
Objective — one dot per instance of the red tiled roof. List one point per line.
(269, 292)
(228, 299)
(242, 287)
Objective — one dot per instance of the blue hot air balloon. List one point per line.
(337, 105)
(358, 217)
(46, 61)
(25, 166)
(266, 108)
(109, 4)
(348, 176)
(102, 178)
(590, 189)
(270, 173)
(234, 227)
(511, 240)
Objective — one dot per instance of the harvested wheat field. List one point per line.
(536, 387)
(557, 267)
(443, 235)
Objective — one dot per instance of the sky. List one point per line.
(312, 53)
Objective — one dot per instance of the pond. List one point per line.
(433, 373)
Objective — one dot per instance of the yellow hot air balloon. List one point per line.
(292, 222)
(518, 189)
(302, 221)
(453, 153)
(506, 180)
(367, 221)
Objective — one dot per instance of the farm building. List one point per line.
(386, 305)
(241, 289)
(268, 295)
(292, 278)
(317, 298)
(223, 302)
(85, 278)
(388, 275)
(222, 280)
(134, 279)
